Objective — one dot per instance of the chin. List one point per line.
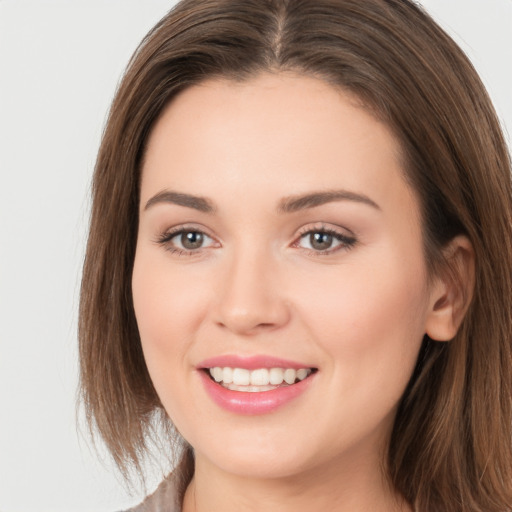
(258, 465)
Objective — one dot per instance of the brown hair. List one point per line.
(451, 447)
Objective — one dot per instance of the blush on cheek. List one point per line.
(159, 301)
(377, 315)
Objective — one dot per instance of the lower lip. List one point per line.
(243, 402)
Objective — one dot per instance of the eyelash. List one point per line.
(346, 242)
(165, 240)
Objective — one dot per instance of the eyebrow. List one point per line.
(179, 198)
(311, 200)
(287, 205)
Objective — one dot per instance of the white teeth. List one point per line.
(241, 377)
(289, 375)
(249, 389)
(302, 373)
(261, 379)
(276, 376)
(227, 375)
(217, 374)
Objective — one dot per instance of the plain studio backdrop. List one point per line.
(60, 62)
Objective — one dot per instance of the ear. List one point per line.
(451, 290)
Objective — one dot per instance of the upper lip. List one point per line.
(250, 362)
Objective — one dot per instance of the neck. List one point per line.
(339, 487)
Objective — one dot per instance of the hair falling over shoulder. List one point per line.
(451, 447)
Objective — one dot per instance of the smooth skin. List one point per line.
(337, 282)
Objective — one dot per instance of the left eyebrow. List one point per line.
(181, 199)
(296, 203)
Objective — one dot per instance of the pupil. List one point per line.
(320, 241)
(192, 240)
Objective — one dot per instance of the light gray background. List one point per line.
(60, 61)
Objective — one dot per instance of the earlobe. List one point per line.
(452, 290)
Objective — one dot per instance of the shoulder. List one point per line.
(164, 499)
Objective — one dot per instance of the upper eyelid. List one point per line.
(186, 227)
(343, 238)
(172, 234)
(326, 227)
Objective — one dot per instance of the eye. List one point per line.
(190, 240)
(185, 241)
(325, 241)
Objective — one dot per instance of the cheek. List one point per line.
(166, 297)
(167, 309)
(166, 304)
(370, 320)
(358, 300)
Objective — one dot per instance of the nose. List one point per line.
(251, 296)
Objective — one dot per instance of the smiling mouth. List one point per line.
(258, 380)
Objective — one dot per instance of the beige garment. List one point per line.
(164, 499)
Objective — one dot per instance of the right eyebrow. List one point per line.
(189, 201)
(296, 203)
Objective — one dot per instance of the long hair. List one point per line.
(451, 445)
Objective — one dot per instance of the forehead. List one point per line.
(282, 133)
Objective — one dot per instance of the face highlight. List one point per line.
(279, 251)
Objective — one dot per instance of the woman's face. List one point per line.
(277, 233)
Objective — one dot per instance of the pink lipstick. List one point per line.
(255, 384)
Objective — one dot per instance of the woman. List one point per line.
(299, 263)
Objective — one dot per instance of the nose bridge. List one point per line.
(250, 296)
